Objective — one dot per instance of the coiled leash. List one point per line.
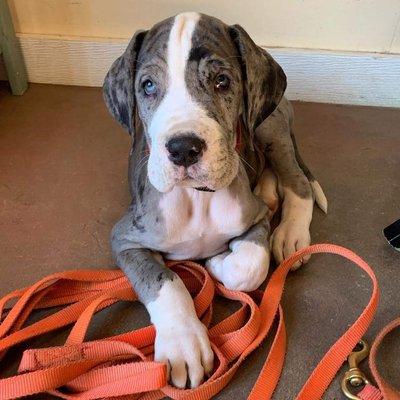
(121, 367)
(355, 378)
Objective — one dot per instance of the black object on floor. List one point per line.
(392, 234)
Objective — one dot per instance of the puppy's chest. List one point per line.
(199, 224)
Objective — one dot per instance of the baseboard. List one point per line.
(313, 75)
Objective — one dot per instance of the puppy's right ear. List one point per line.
(119, 84)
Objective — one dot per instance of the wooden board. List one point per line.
(313, 75)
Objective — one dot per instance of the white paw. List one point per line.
(289, 237)
(184, 346)
(181, 339)
(244, 269)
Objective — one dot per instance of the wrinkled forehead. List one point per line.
(211, 39)
(207, 37)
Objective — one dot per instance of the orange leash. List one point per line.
(384, 391)
(122, 365)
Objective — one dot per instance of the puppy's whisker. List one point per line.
(142, 163)
(247, 163)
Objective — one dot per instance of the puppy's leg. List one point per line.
(181, 339)
(267, 191)
(294, 186)
(293, 232)
(245, 266)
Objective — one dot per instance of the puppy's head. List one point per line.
(191, 80)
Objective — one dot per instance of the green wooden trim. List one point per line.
(11, 52)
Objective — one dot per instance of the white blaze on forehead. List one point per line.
(179, 45)
(177, 103)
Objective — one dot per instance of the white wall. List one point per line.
(333, 51)
(354, 25)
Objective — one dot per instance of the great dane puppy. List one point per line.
(206, 170)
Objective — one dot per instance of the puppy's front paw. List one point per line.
(244, 269)
(289, 237)
(181, 339)
(184, 346)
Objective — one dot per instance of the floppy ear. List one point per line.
(119, 84)
(263, 79)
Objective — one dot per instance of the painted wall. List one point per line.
(354, 25)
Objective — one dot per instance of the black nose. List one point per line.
(185, 150)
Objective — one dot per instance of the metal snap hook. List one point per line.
(354, 377)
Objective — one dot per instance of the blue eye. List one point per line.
(149, 87)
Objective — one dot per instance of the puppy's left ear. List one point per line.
(263, 79)
(119, 84)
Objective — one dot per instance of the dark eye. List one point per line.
(222, 82)
(149, 87)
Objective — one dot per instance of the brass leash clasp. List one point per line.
(354, 377)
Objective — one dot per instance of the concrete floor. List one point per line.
(63, 184)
